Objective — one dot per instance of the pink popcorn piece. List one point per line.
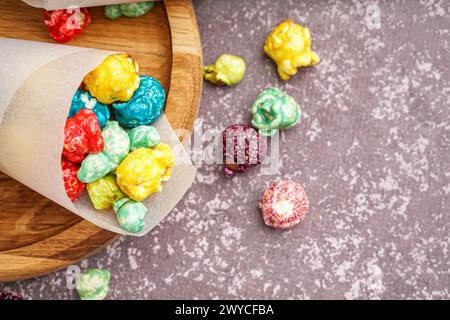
(284, 204)
(243, 149)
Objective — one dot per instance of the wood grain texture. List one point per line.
(38, 236)
(186, 81)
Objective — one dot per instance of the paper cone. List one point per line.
(37, 85)
(64, 4)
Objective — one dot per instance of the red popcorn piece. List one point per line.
(73, 186)
(243, 148)
(82, 136)
(64, 25)
(284, 204)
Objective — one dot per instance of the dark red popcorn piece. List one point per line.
(64, 25)
(243, 148)
(82, 136)
(73, 186)
(284, 204)
(4, 295)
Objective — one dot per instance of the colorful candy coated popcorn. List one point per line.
(142, 171)
(74, 187)
(227, 70)
(284, 204)
(145, 107)
(117, 142)
(115, 79)
(143, 137)
(113, 11)
(94, 167)
(116, 148)
(104, 192)
(243, 148)
(83, 99)
(130, 214)
(82, 136)
(64, 25)
(289, 45)
(273, 109)
(130, 10)
(93, 284)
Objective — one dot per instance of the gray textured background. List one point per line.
(372, 152)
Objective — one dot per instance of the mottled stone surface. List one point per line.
(372, 153)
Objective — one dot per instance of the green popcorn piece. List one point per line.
(133, 10)
(116, 148)
(93, 284)
(130, 214)
(104, 192)
(227, 70)
(117, 143)
(273, 109)
(130, 10)
(113, 11)
(94, 167)
(143, 137)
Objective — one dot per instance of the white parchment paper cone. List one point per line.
(64, 4)
(36, 90)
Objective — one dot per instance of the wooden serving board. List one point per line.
(38, 236)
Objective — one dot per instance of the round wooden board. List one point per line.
(38, 236)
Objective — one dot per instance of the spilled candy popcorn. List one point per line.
(243, 149)
(93, 284)
(284, 204)
(227, 70)
(64, 25)
(289, 45)
(273, 109)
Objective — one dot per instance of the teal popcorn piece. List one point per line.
(93, 284)
(94, 167)
(116, 148)
(145, 107)
(83, 99)
(273, 109)
(130, 10)
(130, 214)
(143, 137)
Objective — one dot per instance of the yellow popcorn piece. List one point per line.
(289, 45)
(115, 79)
(141, 173)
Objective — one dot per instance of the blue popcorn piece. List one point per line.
(145, 107)
(83, 99)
